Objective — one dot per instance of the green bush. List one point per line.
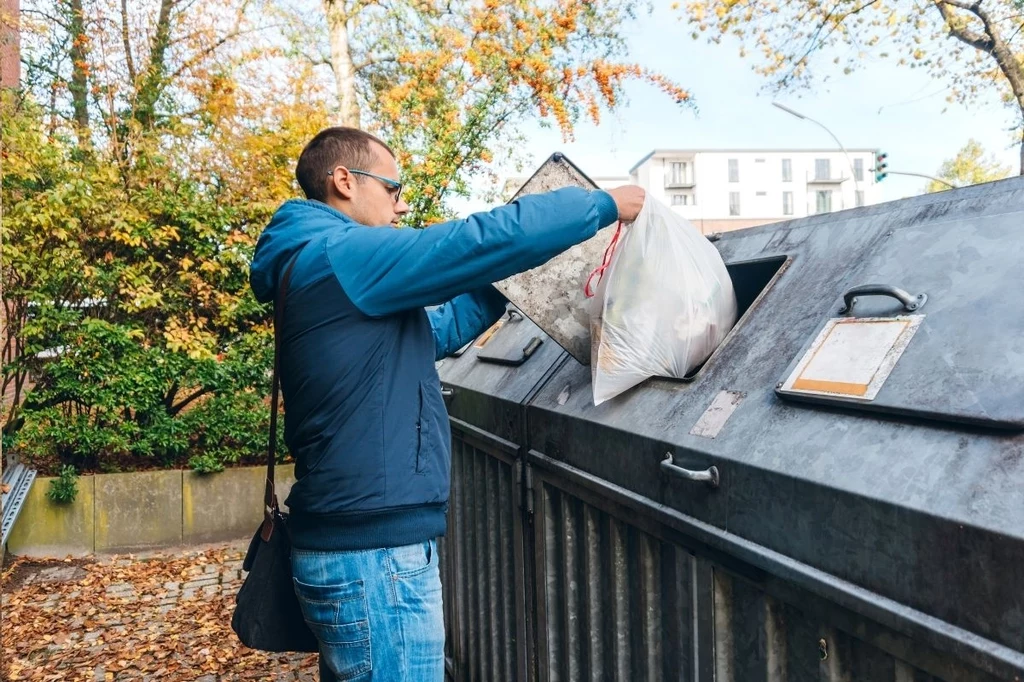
(126, 288)
(64, 488)
(108, 403)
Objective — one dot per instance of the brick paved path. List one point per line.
(162, 616)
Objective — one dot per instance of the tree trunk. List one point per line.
(153, 82)
(79, 86)
(990, 41)
(341, 61)
(129, 60)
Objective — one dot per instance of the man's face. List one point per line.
(373, 200)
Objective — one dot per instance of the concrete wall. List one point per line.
(144, 510)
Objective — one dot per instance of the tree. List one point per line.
(976, 47)
(132, 336)
(136, 66)
(449, 84)
(970, 166)
(153, 140)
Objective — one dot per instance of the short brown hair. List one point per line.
(333, 147)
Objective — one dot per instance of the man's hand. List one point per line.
(629, 199)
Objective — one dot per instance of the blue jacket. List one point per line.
(365, 419)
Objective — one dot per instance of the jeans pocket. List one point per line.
(409, 561)
(337, 615)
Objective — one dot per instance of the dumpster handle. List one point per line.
(910, 302)
(709, 475)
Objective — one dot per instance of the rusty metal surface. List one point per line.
(552, 295)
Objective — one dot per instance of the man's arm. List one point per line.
(464, 318)
(385, 271)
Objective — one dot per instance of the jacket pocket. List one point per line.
(430, 427)
(424, 434)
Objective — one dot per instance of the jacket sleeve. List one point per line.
(464, 318)
(384, 270)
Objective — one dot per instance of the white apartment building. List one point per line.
(728, 189)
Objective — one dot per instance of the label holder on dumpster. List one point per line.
(851, 358)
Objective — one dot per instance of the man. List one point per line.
(365, 419)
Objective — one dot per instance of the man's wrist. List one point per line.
(607, 209)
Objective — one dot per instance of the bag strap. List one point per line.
(598, 272)
(270, 507)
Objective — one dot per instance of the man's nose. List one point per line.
(401, 208)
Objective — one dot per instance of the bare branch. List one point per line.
(815, 41)
(188, 401)
(49, 17)
(373, 61)
(319, 60)
(220, 42)
(172, 393)
(964, 35)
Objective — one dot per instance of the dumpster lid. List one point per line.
(551, 295)
(924, 327)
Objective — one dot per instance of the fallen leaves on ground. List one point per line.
(120, 619)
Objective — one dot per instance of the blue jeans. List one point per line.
(376, 613)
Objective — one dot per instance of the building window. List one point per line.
(858, 171)
(860, 197)
(762, 194)
(823, 201)
(680, 200)
(734, 170)
(822, 169)
(787, 203)
(680, 173)
(734, 203)
(787, 170)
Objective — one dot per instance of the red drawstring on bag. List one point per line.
(605, 262)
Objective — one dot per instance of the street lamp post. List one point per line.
(852, 170)
(789, 111)
(925, 175)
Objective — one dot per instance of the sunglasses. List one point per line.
(394, 186)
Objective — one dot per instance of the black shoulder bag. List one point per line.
(267, 614)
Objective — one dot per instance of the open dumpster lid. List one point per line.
(951, 349)
(552, 294)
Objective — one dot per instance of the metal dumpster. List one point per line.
(837, 494)
(486, 387)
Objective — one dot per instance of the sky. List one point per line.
(898, 110)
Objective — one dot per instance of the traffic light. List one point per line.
(880, 166)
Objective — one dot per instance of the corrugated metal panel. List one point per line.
(615, 603)
(759, 638)
(618, 603)
(478, 566)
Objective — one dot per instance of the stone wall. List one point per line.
(144, 510)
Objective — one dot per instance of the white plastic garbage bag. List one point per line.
(663, 303)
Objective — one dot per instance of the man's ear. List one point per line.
(343, 182)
